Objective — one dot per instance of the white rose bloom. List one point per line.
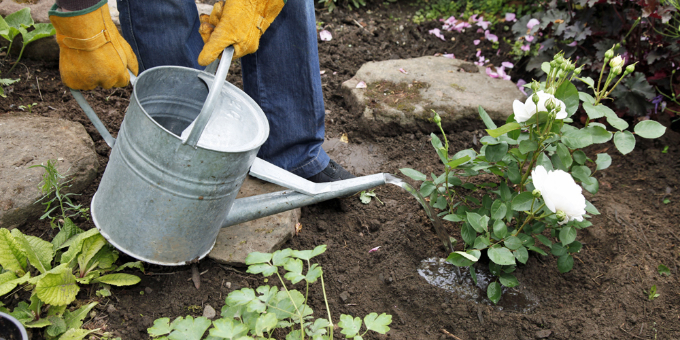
(616, 61)
(523, 112)
(560, 193)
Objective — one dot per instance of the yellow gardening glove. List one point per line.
(240, 23)
(91, 51)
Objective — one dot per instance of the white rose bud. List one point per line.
(524, 111)
(616, 62)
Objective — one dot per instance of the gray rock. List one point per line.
(344, 296)
(265, 235)
(442, 84)
(543, 333)
(27, 141)
(209, 312)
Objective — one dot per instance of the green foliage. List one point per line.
(21, 22)
(652, 294)
(5, 82)
(366, 196)
(507, 215)
(54, 270)
(491, 10)
(663, 270)
(331, 4)
(254, 314)
(52, 188)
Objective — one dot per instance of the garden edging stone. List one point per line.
(26, 141)
(404, 91)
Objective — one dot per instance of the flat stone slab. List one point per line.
(29, 140)
(264, 235)
(404, 91)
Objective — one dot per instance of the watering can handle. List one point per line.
(213, 98)
(89, 112)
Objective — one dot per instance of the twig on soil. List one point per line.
(449, 334)
(676, 237)
(231, 269)
(40, 93)
(360, 26)
(196, 276)
(626, 224)
(625, 331)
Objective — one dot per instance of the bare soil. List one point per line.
(601, 298)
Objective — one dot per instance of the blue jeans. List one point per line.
(282, 76)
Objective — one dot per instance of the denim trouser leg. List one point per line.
(282, 76)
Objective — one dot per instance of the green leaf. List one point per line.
(513, 173)
(501, 256)
(265, 269)
(12, 256)
(495, 153)
(588, 81)
(486, 119)
(522, 255)
(318, 328)
(57, 326)
(500, 229)
(581, 172)
(57, 287)
(462, 154)
(527, 146)
(537, 249)
(508, 280)
(91, 247)
(574, 247)
(558, 250)
(567, 235)
(37, 250)
(498, 210)
(461, 259)
(565, 263)
(544, 161)
(294, 268)
(9, 281)
(580, 157)
(456, 162)
(280, 257)
(478, 222)
(481, 242)
(468, 233)
(350, 326)
(493, 292)
(257, 257)
(503, 129)
(75, 319)
(40, 31)
(119, 279)
(615, 121)
(591, 185)
(76, 334)
(453, 218)
(596, 111)
(427, 188)
(162, 326)
(137, 264)
(663, 270)
(590, 208)
(506, 195)
(522, 202)
(649, 129)
(190, 328)
(413, 174)
(598, 134)
(240, 297)
(265, 323)
(544, 240)
(75, 245)
(568, 94)
(603, 161)
(577, 139)
(513, 243)
(378, 323)
(624, 141)
(313, 273)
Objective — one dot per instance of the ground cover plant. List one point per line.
(21, 23)
(256, 314)
(375, 250)
(537, 159)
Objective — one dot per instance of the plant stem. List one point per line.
(17, 61)
(328, 309)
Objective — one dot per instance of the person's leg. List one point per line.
(283, 78)
(162, 32)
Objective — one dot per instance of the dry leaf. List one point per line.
(344, 138)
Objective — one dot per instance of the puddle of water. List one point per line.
(436, 221)
(442, 274)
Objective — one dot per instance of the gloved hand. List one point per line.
(240, 23)
(91, 51)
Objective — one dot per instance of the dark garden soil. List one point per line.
(603, 297)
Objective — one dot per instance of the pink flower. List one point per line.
(450, 56)
(474, 18)
(572, 44)
(374, 249)
(437, 33)
(500, 73)
(403, 71)
(526, 47)
(507, 64)
(490, 37)
(520, 86)
(510, 17)
(325, 35)
(478, 53)
(479, 30)
(483, 24)
(529, 38)
(532, 23)
(361, 85)
(476, 42)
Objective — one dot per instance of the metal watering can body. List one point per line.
(163, 199)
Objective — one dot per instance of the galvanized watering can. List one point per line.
(163, 198)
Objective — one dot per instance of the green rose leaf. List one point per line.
(468, 233)
(456, 162)
(598, 134)
(615, 121)
(522, 202)
(478, 222)
(500, 229)
(581, 172)
(527, 146)
(590, 208)
(567, 235)
(501, 256)
(565, 263)
(584, 97)
(498, 210)
(378, 323)
(413, 174)
(580, 157)
(513, 243)
(558, 250)
(481, 242)
(577, 139)
(486, 119)
(461, 259)
(537, 249)
(624, 141)
(591, 185)
(603, 161)
(503, 129)
(522, 255)
(597, 111)
(568, 94)
(495, 153)
(508, 280)
(493, 292)
(453, 218)
(544, 161)
(649, 129)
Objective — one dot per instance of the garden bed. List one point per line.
(603, 297)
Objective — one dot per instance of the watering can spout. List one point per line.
(254, 207)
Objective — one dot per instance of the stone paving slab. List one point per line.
(27, 141)
(406, 90)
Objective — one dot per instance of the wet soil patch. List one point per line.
(601, 298)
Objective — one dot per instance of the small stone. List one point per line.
(344, 296)
(110, 309)
(148, 290)
(209, 312)
(543, 333)
(228, 285)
